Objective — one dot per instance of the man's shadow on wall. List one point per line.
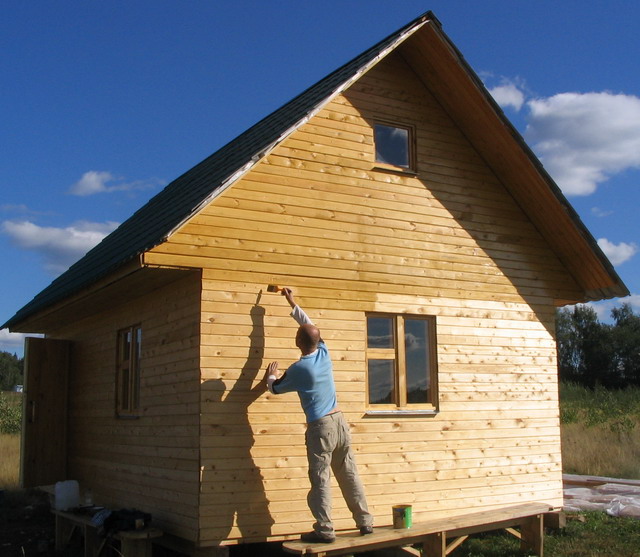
(232, 484)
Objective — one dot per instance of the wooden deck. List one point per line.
(433, 535)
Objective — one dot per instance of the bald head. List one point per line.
(307, 338)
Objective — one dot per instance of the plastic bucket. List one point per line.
(402, 516)
(67, 495)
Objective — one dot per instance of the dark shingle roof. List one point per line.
(153, 223)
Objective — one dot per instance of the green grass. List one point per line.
(615, 410)
(10, 412)
(599, 535)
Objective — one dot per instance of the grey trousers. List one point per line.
(328, 443)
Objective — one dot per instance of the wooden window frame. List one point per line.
(411, 147)
(128, 356)
(397, 354)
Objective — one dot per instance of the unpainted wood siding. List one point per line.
(316, 215)
(150, 462)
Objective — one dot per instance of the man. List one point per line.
(327, 437)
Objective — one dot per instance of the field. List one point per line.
(600, 432)
(10, 451)
(10, 422)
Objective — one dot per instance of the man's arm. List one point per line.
(298, 313)
(272, 375)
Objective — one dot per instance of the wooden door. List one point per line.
(44, 439)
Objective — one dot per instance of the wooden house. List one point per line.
(399, 203)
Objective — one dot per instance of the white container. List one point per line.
(67, 495)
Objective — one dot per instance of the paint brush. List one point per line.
(273, 288)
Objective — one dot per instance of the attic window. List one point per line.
(393, 145)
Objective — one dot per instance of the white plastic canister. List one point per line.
(67, 495)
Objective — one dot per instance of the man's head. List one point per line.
(307, 338)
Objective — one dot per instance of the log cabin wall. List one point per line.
(317, 215)
(149, 462)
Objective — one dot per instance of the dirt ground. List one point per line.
(27, 527)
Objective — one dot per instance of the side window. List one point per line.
(401, 362)
(394, 146)
(128, 371)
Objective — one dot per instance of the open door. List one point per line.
(44, 431)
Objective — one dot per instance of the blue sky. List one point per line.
(104, 103)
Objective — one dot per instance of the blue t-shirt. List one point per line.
(311, 377)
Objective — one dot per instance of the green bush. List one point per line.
(10, 414)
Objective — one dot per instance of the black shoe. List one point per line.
(315, 537)
(365, 530)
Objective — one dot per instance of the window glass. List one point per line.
(124, 395)
(128, 371)
(381, 381)
(126, 346)
(392, 145)
(135, 387)
(138, 343)
(401, 362)
(380, 332)
(416, 344)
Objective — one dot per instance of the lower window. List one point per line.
(401, 362)
(128, 371)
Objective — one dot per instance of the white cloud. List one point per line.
(94, 182)
(604, 307)
(508, 94)
(633, 300)
(60, 247)
(13, 208)
(13, 342)
(617, 253)
(9, 342)
(584, 138)
(600, 213)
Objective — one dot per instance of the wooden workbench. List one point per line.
(133, 543)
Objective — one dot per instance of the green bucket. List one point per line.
(402, 516)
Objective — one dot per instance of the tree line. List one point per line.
(11, 371)
(592, 353)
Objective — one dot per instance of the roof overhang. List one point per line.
(107, 293)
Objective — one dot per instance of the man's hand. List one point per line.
(272, 375)
(288, 294)
(272, 369)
